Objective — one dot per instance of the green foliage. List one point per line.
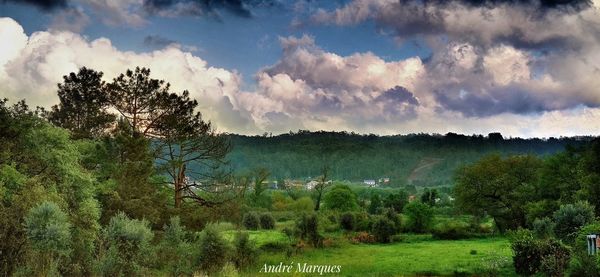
(174, 253)
(303, 204)
(340, 198)
(251, 221)
(396, 201)
(347, 221)
(543, 228)
(49, 236)
(499, 187)
(213, 250)
(267, 221)
(451, 230)
(569, 218)
(126, 247)
(383, 229)
(245, 252)
(429, 196)
(394, 218)
(307, 228)
(420, 216)
(533, 255)
(375, 204)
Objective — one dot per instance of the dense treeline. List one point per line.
(357, 157)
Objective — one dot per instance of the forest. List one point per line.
(126, 178)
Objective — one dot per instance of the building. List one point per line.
(370, 183)
(311, 185)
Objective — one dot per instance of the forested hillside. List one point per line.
(421, 159)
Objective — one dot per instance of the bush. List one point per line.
(49, 236)
(362, 237)
(556, 258)
(127, 243)
(394, 218)
(245, 252)
(308, 228)
(174, 252)
(251, 221)
(228, 270)
(383, 230)
(451, 230)
(213, 250)
(532, 255)
(543, 228)
(419, 216)
(347, 221)
(363, 222)
(267, 221)
(340, 198)
(569, 218)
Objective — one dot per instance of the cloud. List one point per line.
(46, 5)
(31, 66)
(157, 41)
(70, 19)
(173, 8)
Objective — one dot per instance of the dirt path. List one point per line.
(423, 165)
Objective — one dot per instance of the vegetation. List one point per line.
(125, 178)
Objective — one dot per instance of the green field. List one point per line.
(416, 258)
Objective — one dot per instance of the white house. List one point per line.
(311, 185)
(369, 182)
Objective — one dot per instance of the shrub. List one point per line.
(394, 218)
(556, 258)
(347, 221)
(174, 252)
(340, 198)
(383, 230)
(451, 230)
(363, 222)
(127, 244)
(267, 221)
(419, 216)
(251, 221)
(245, 252)
(362, 237)
(213, 250)
(543, 228)
(303, 204)
(308, 228)
(569, 218)
(228, 270)
(48, 234)
(532, 255)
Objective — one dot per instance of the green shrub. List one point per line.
(383, 230)
(174, 253)
(127, 243)
(267, 221)
(363, 222)
(419, 216)
(307, 228)
(556, 258)
(213, 250)
(49, 236)
(394, 218)
(228, 270)
(347, 221)
(570, 218)
(340, 198)
(245, 252)
(532, 255)
(451, 230)
(543, 228)
(251, 221)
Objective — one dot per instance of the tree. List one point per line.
(383, 229)
(499, 187)
(375, 204)
(396, 201)
(340, 198)
(214, 250)
(429, 196)
(84, 103)
(321, 185)
(570, 217)
(49, 235)
(419, 216)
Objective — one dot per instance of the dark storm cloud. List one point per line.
(41, 4)
(542, 4)
(156, 41)
(242, 8)
(398, 94)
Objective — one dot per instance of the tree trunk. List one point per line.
(179, 183)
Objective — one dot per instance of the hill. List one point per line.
(419, 159)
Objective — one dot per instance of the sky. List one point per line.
(526, 68)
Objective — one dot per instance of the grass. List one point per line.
(260, 237)
(419, 257)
